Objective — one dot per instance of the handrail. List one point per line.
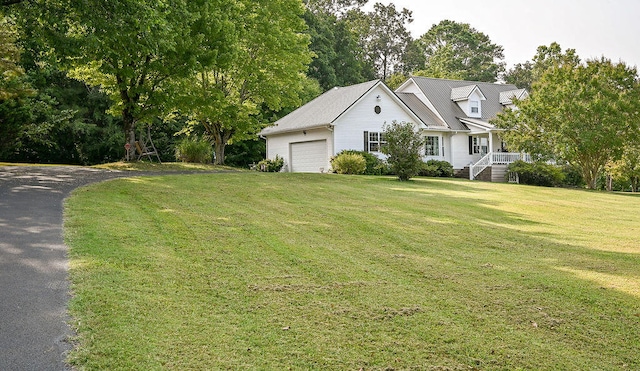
(496, 158)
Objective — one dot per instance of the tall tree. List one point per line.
(12, 82)
(385, 38)
(523, 75)
(459, 51)
(334, 46)
(336, 7)
(267, 71)
(134, 50)
(584, 114)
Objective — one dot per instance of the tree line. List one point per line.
(82, 78)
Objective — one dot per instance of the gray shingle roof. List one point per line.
(322, 111)
(462, 92)
(507, 96)
(438, 92)
(420, 109)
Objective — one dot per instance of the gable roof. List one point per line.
(420, 109)
(322, 111)
(506, 97)
(464, 92)
(439, 93)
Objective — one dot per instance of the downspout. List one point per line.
(333, 147)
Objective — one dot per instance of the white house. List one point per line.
(452, 115)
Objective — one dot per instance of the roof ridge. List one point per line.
(471, 82)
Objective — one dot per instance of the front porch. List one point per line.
(493, 166)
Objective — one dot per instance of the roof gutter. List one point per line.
(323, 126)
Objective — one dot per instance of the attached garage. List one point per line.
(309, 157)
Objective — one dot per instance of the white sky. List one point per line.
(593, 27)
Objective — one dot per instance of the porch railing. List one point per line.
(496, 158)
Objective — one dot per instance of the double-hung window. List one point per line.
(474, 145)
(432, 147)
(373, 141)
(475, 107)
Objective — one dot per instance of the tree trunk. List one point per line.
(219, 148)
(220, 139)
(130, 133)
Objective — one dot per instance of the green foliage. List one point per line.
(436, 168)
(270, 56)
(626, 170)
(523, 75)
(572, 177)
(403, 149)
(387, 38)
(12, 82)
(349, 163)
(584, 114)
(194, 149)
(537, 173)
(395, 80)
(136, 51)
(374, 165)
(335, 61)
(245, 153)
(457, 51)
(271, 165)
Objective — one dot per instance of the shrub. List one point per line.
(349, 163)
(271, 166)
(403, 148)
(537, 173)
(572, 177)
(194, 150)
(375, 166)
(436, 168)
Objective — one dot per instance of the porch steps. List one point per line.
(499, 173)
(494, 173)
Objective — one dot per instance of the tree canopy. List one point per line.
(523, 75)
(135, 50)
(458, 51)
(581, 113)
(266, 72)
(387, 38)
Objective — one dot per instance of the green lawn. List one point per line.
(293, 271)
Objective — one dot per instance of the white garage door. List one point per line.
(309, 157)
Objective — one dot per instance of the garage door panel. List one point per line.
(309, 157)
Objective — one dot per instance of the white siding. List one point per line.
(279, 145)
(461, 156)
(349, 128)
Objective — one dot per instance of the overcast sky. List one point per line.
(593, 27)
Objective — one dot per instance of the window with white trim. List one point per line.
(373, 141)
(475, 107)
(432, 147)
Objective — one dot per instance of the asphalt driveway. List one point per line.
(34, 288)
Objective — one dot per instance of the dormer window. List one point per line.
(475, 107)
(468, 99)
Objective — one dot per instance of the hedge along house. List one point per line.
(453, 116)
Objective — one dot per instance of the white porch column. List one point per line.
(491, 142)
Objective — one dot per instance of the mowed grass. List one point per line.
(294, 271)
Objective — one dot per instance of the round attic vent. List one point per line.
(377, 109)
